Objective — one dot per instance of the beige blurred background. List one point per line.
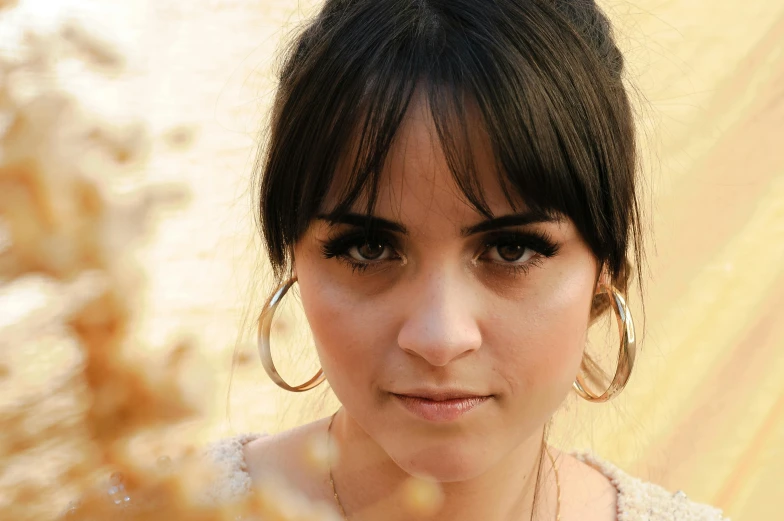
(704, 411)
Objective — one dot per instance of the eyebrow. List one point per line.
(495, 223)
(369, 222)
(506, 221)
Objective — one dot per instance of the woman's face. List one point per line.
(440, 302)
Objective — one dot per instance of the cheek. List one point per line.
(332, 322)
(544, 337)
(348, 335)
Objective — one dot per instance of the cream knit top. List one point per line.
(637, 500)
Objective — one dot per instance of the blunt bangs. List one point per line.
(558, 121)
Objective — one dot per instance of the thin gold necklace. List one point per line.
(343, 511)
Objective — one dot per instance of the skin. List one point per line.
(437, 308)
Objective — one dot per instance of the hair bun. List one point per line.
(590, 21)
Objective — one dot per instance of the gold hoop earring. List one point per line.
(265, 325)
(626, 355)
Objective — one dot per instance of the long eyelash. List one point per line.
(356, 267)
(516, 269)
(539, 241)
(337, 246)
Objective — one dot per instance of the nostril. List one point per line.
(439, 345)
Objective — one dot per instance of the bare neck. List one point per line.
(367, 482)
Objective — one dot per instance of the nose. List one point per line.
(440, 323)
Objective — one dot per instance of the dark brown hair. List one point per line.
(545, 75)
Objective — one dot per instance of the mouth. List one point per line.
(440, 406)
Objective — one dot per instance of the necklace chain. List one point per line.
(343, 511)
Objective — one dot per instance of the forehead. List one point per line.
(417, 182)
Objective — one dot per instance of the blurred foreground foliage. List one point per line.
(58, 224)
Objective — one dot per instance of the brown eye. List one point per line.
(516, 249)
(510, 252)
(371, 250)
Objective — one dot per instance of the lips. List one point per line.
(440, 406)
(440, 395)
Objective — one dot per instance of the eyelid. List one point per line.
(538, 241)
(383, 236)
(338, 244)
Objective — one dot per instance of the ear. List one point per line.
(604, 278)
(293, 267)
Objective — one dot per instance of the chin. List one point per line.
(444, 462)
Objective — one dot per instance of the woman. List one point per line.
(452, 186)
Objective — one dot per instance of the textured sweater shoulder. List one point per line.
(637, 500)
